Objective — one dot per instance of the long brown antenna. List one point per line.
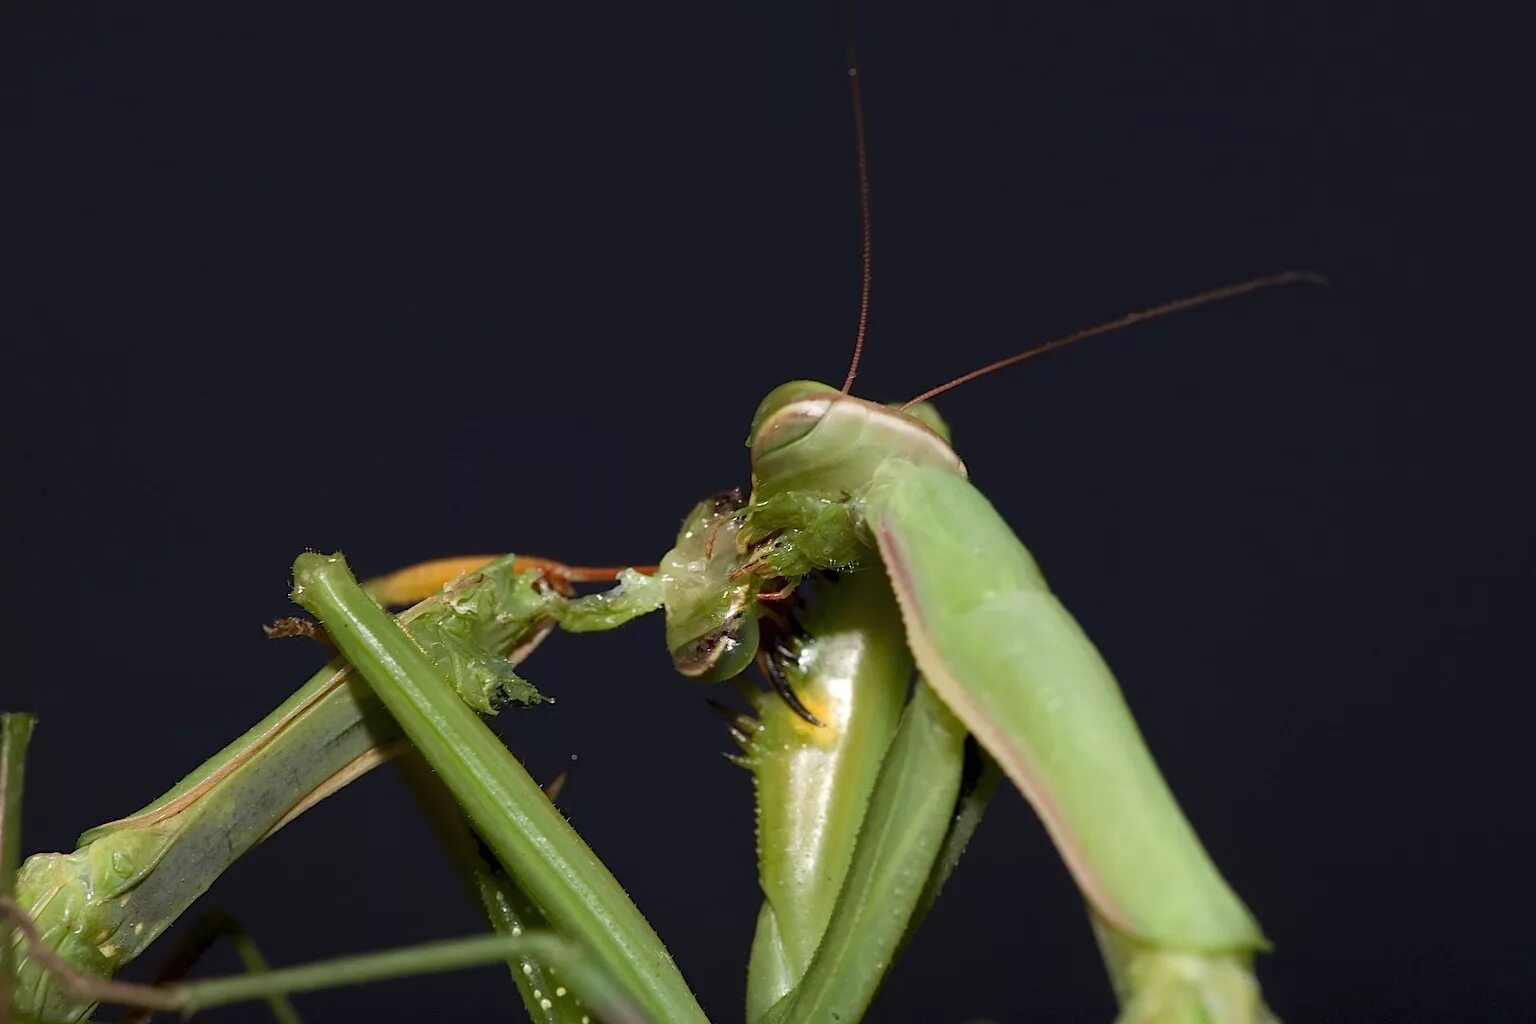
(856, 94)
(1177, 306)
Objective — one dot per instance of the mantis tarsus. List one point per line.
(841, 487)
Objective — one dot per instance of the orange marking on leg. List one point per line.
(419, 582)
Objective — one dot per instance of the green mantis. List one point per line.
(868, 786)
(860, 791)
(856, 794)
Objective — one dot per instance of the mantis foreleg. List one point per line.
(910, 812)
(852, 671)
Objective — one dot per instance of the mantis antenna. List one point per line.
(856, 95)
(1230, 291)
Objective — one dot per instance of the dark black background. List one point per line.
(411, 280)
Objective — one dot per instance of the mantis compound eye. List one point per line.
(722, 653)
(788, 413)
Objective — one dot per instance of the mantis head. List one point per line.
(810, 438)
(815, 452)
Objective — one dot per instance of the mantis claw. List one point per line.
(741, 724)
(773, 667)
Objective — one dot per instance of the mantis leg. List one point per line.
(911, 810)
(608, 1001)
(868, 812)
(852, 671)
(420, 581)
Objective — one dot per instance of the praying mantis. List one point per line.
(868, 507)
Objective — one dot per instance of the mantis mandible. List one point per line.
(870, 507)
